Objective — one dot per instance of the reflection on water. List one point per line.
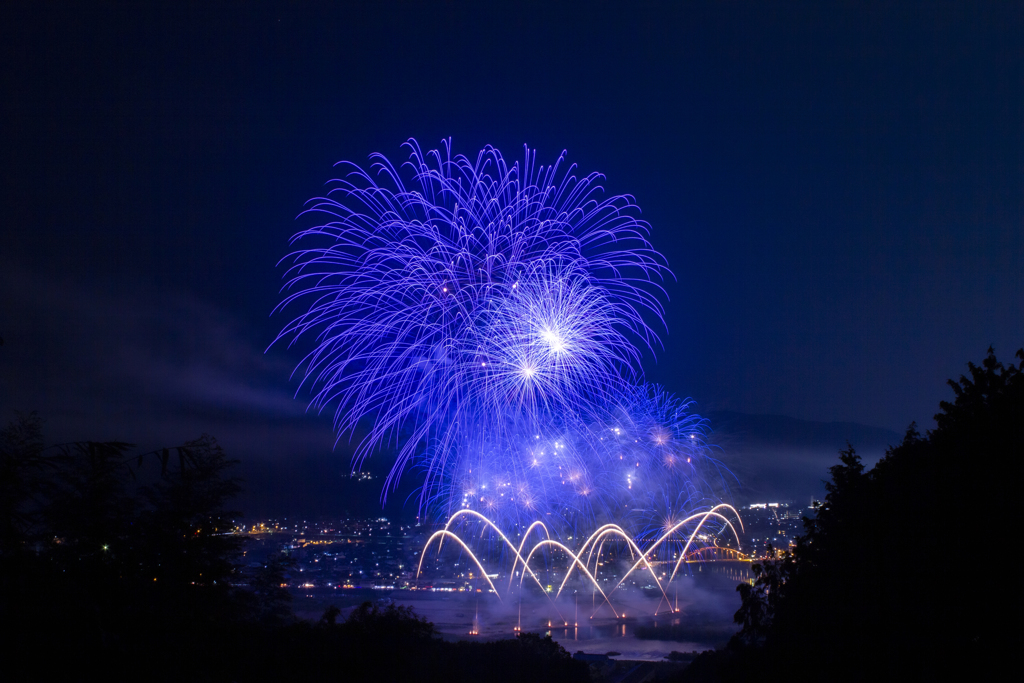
(706, 602)
(620, 629)
(620, 638)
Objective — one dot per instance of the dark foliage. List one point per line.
(118, 564)
(24, 482)
(393, 644)
(898, 573)
(760, 600)
(270, 601)
(96, 563)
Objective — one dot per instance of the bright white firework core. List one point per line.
(554, 340)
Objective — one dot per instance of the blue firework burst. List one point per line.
(446, 299)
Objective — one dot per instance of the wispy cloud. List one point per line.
(97, 363)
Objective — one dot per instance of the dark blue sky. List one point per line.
(839, 189)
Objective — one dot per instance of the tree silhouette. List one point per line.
(759, 600)
(129, 559)
(24, 483)
(186, 520)
(271, 600)
(892, 575)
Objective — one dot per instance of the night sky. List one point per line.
(838, 188)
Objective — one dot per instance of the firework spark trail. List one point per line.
(450, 290)
(492, 525)
(575, 562)
(595, 540)
(633, 547)
(704, 516)
(519, 551)
(682, 555)
(487, 524)
(598, 536)
(441, 534)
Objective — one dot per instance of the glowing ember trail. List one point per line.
(587, 559)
